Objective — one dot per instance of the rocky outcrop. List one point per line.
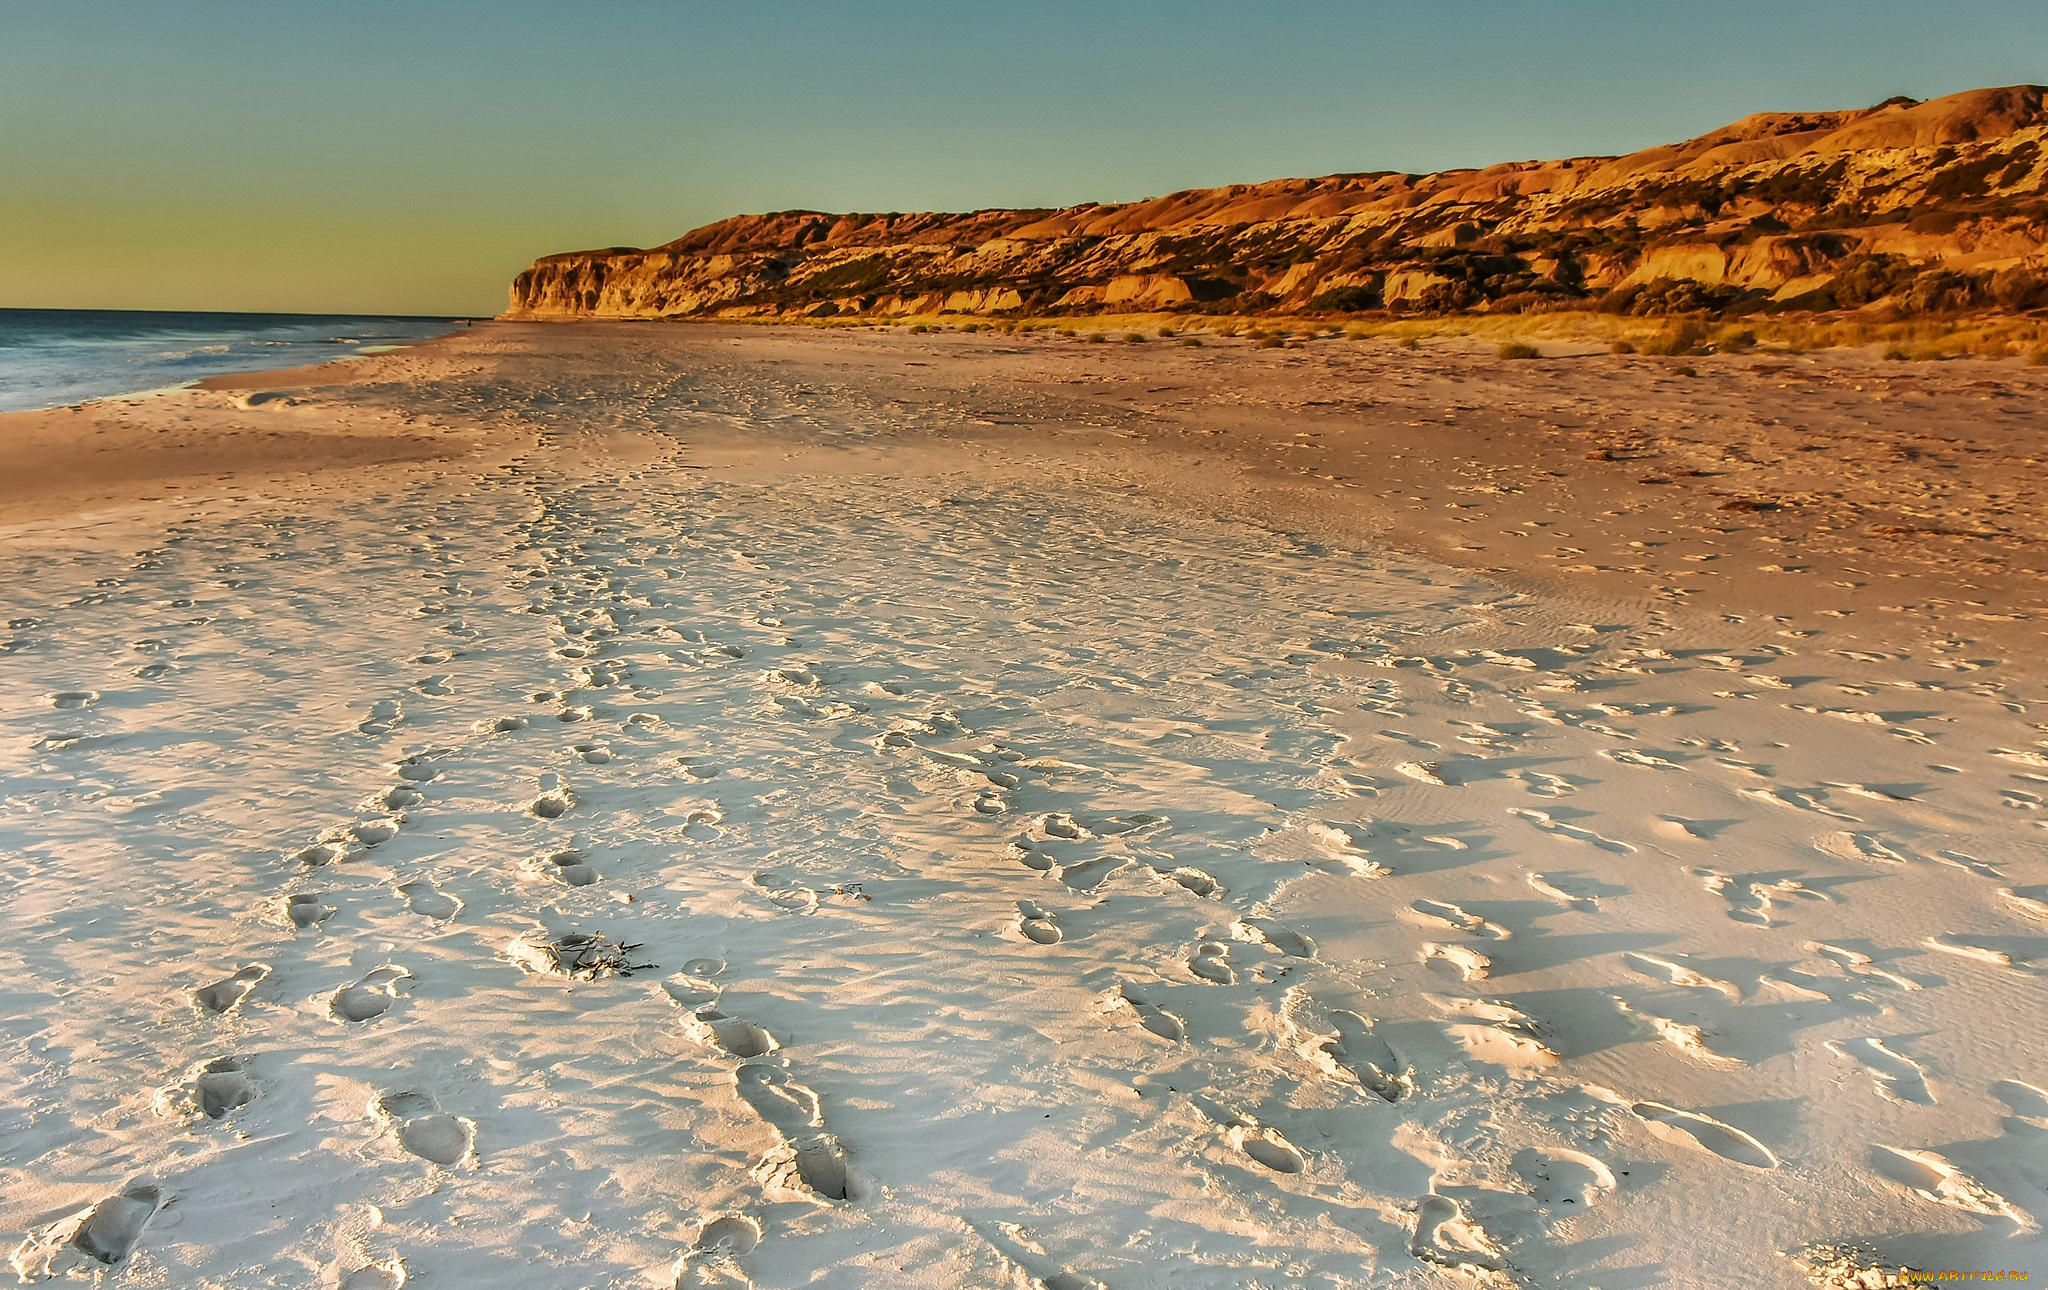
(1914, 206)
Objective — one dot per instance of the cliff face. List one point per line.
(1926, 207)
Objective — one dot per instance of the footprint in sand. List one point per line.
(114, 1228)
(1035, 924)
(370, 833)
(689, 992)
(2027, 1102)
(1358, 1048)
(793, 897)
(1558, 1177)
(1694, 1129)
(1060, 826)
(416, 769)
(1558, 828)
(424, 1129)
(698, 768)
(1564, 889)
(1950, 944)
(321, 853)
(1152, 1017)
(1291, 943)
(817, 1160)
(1752, 899)
(222, 1085)
(1266, 1146)
(779, 1100)
(1687, 1039)
(385, 714)
(568, 866)
(554, 799)
(2030, 901)
(306, 910)
(1087, 875)
(1680, 829)
(822, 1166)
(712, 1261)
(1036, 861)
(500, 725)
(1423, 772)
(429, 901)
(592, 754)
(1542, 784)
(1196, 881)
(728, 1234)
(370, 997)
(1798, 799)
(1112, 825)
(1933, 1177)
(1468, 963)
(225, 996)
(785, 1105)
(1446, 914)
(1496, 1033)
(1210, 960)
(1670, 973)
(1343, 844)
(734, 1035)
(67, 700)
(1446, 1236)
(701, 825)
(1860, 964)
(388, 1275)
(1859, 846)
(1898, 1077)
(1630, 757)
(394, 799)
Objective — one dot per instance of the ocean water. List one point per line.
(51, 357)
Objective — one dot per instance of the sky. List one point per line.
(411, 156)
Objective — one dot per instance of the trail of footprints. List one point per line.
(1056, 846)
(1078, 854)
(810, 1161)
(217, 1088)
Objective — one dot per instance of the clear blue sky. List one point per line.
(412, 155)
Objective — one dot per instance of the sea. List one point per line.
(53, 357)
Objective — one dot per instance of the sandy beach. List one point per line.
(645, 804)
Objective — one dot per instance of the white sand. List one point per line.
(1046, 887)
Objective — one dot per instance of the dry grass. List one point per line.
(1918, 339)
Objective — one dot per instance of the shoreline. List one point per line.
(186, 443)
(132, 360)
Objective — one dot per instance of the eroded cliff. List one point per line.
(1918, 206)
